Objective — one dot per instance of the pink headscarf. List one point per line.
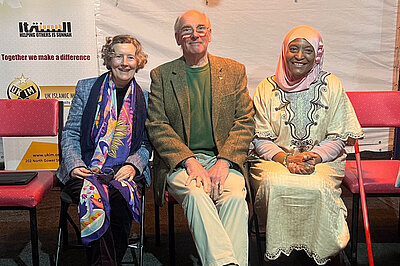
(314, 38)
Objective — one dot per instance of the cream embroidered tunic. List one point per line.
(303, 212)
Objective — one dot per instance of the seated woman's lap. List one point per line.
(273, 181)
(119, 208)
(273, 174)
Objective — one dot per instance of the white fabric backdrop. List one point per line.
(359, 36)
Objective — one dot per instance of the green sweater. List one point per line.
(201, 133)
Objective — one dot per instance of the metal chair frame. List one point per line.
(62, 239)
(373, 109)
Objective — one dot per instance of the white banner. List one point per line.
(46, 46)
(359, 36)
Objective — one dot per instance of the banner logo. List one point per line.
(38, 29)
(23, 88)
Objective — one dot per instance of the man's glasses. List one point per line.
(120, 57)
(186, 32)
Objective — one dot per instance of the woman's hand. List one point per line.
(303, 163)
(303, 169)
(197, 172)
(311, 157)
(125, 172)
(80, 173)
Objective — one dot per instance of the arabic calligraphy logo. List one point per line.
(38, 29)
(23, 88)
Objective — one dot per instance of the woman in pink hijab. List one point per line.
(301, 59)
(303, 121)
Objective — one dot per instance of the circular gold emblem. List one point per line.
(23, 88)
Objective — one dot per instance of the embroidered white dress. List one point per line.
(303, 212)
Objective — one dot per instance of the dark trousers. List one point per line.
(111, 247)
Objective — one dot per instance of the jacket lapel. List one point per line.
(180, 87)
(217, 88)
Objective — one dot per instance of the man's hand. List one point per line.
(80, 173)
(197, 172)
(218, 174)
(125, 172)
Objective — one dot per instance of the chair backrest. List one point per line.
(29, 118)
(376, 108)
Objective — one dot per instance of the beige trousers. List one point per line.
(219, 229)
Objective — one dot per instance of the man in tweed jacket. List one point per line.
(200, 122)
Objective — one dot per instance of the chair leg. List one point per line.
(258, 239)
(34, 236)
(249, 238)
(157, 223)
(63, 223)
(354, 229)
(254, 219)
(142, 221)
(171, 233)
(398, 222)
(59, 239)
(75, 227)
(62, 239)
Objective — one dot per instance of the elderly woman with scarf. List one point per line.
(303, 121)
(106, 151)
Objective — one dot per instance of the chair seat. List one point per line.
(169, 198)
(379, 176)
(28, 195)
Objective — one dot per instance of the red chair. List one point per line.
(28, 118)
(374, 178)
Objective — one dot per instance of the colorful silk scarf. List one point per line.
(113, 138)
(112, 134)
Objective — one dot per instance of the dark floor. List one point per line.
(15, 239)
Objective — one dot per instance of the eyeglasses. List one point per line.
(120, 57)
(187, 32)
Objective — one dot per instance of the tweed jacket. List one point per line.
(70, 143)
(168, 122)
